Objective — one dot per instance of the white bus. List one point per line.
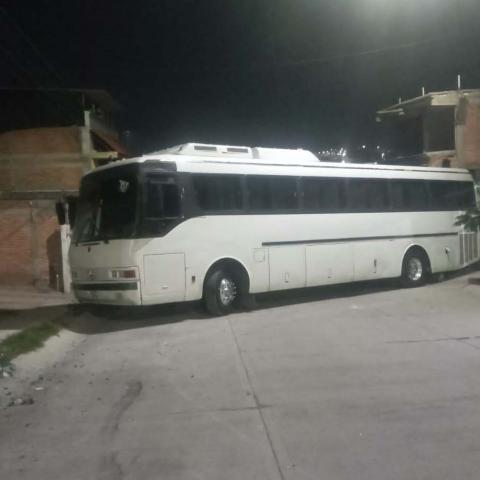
(219, 223)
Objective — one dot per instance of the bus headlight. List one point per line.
(124, 274)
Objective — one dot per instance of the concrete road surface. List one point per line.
(354, 383)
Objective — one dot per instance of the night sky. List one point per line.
(307, 73)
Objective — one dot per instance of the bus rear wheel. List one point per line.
(415, 269)
(221, 292)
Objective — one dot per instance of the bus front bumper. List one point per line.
(108, 293)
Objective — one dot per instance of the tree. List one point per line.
(470, 219)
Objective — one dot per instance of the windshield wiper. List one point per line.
(93, 232)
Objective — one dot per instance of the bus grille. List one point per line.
(468, 247)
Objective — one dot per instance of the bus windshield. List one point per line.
(107, 207)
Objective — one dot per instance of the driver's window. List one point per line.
(162, 197)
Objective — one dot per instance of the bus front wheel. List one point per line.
(415, 269)
(220, 292)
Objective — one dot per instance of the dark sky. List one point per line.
(292, 73)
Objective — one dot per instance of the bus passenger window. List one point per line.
(323, 194)
(396, 192)
(417, 195)
(377, 195)
(410, 195)
(217, 193)
(284, 192)
(162, 198)
(442, 195)
(357, 195)
(465, 195)
(368, 195)
(259, 194)
(451, 195)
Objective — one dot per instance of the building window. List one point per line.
(439, 129)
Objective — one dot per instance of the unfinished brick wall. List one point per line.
(35, 164)
(40, 173)
(42, 159)
(29, 243)
(471, 136)
(15, 242)
(34, 141)
(437, 160)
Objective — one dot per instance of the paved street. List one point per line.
(354, 383)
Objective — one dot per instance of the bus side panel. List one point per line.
(259, 280)
(377, 259)
(328, 264)
(443, 253)
(164, 278)
(287, 267)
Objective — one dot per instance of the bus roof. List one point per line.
(190, 156)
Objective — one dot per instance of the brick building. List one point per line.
(48, 140)
(436, 129)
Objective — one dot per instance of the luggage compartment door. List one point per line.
(328, 264)
(164, 277)
(287, 267)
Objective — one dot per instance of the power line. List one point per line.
(25, 72)
(30, 43)
(13, 72)
(312, 61)
(375, 51)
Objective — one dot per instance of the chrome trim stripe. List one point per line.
(357, 239)
(109, 286)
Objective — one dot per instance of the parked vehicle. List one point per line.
(219, 223)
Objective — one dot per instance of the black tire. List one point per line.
(415, 269)
(217, 292)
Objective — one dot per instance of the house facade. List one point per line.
(436, 129)
(48, 140)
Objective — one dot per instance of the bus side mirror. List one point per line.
(72, 210)
(66, 211)
(61, 214)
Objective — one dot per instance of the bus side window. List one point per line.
(323, 194)
(396, 195)
(465, 195)
(218, 192)
(368, 195)
(311, 189)
(409, 195)
(442, 194)
(357, 195)
(162, 198)
(451, 195)
(462, 195)
(284, 192)
(418, 195)
(377, 195)
(259, 193)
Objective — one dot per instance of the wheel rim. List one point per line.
(414, 269)
(227, 291)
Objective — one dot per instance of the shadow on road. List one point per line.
(315, 294)
(96, 319)
(91, 320)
